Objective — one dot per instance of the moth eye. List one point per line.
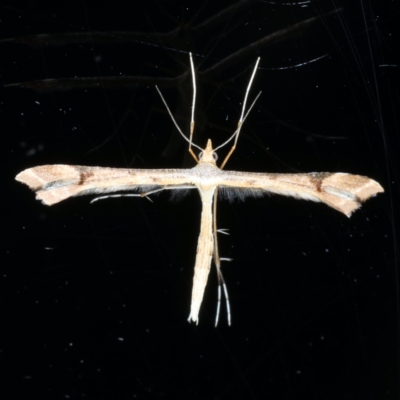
(215, 156)
(201, 155)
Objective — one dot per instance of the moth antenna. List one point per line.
(244, 119)
(241, 119)
(173, 119)
(193, 108)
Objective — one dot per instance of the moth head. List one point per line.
(208, 155)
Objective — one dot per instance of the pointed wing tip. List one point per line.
(25, 177)
(347, 192)
(47, 198)
(370, 189)
(33, 177)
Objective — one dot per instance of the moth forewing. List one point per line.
(54, 183)
(341, 191)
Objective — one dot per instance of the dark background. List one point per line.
(94, 298)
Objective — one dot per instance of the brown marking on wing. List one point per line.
(317, 179)
(84, 177)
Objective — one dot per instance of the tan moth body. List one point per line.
(341, 191)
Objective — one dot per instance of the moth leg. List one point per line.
(144, 194)
(217, 262)
(109, 196)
